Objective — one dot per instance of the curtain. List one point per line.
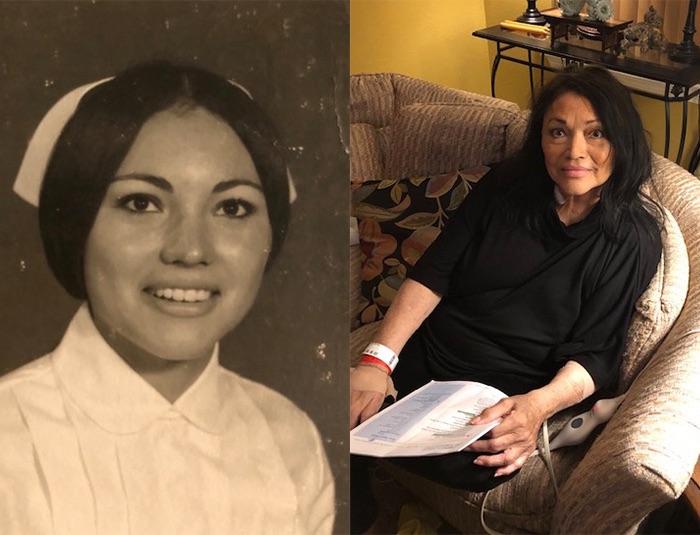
(674, 13)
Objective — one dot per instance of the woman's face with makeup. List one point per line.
(179, 245)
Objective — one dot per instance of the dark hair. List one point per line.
(624, 130)
(98, 137)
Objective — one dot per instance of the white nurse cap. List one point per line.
(36, 158)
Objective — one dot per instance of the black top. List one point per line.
(517, 307)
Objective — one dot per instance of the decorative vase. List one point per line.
(571, 8)
(600, 9)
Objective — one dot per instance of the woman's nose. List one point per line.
(186, 242)
(578, 148)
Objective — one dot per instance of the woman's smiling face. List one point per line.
(179, 245)
(577, 154)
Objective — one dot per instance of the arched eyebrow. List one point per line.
(563, 121)
(157, 181)
(235, 182)
(163, 184)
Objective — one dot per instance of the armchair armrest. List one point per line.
(645, 456)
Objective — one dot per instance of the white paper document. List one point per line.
(433, 420)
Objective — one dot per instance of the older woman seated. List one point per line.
(531, 286)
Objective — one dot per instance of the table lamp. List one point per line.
(687, 51)
(532, 14)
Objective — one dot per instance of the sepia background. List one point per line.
(293, 57)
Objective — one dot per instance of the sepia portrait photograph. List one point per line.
(174, 267)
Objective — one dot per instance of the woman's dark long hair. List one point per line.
(532, 191)
(98, 137)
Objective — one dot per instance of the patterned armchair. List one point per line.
(419, 141)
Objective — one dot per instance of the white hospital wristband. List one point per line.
(383, 353)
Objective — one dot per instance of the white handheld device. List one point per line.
(579, 427)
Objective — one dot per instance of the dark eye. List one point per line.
(235, 208)
(597, 134)
(557, 132)
(139, 203)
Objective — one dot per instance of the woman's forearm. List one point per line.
(368, 381)
(412, 304)
(572, 384)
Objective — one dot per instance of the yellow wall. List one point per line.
(431, 40)
(653, 115)
(427, 39)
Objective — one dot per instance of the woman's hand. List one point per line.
(368, 386)
(512, 441)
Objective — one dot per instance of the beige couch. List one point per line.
(402, 127)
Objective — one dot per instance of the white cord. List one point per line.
(483, 517)
(546, 456)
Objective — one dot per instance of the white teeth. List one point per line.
(180, 295)
(203, 295)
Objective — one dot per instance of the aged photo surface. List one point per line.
(290, 57)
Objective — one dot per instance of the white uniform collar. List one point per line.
(116, 398)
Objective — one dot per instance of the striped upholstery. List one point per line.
(459, 129)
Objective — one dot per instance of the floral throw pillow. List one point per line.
(398, 220)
